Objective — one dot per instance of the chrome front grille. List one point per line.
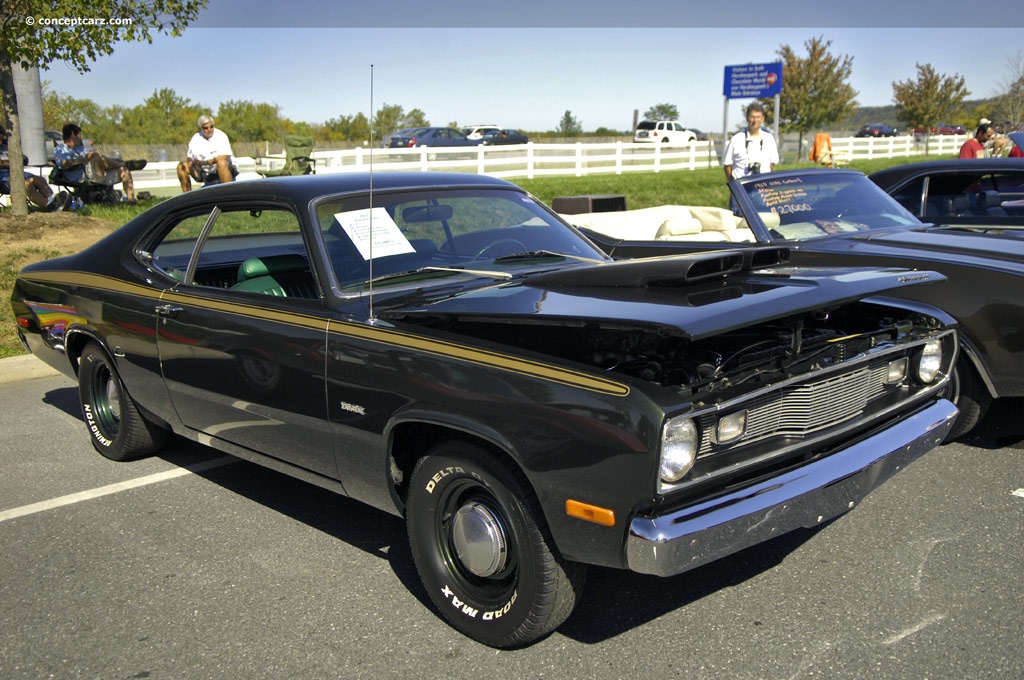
(800, 409)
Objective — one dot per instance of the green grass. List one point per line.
(642, 190)
(10, 264)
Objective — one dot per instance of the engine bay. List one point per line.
(715, 368)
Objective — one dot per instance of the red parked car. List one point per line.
(943, 129)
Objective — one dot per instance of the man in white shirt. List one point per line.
(751, 151)
(209, 159)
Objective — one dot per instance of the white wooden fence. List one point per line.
(536, 160)
(861, 148)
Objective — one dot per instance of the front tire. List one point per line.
(970, 396)
(482, 549)
(116, 428)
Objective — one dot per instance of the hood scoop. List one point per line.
(672, 270)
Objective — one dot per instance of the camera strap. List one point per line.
(746, 148)
(746, 136)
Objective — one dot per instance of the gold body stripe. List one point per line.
(394, 338)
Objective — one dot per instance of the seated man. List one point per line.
(80, 165)
(36, 188)
(209, 159)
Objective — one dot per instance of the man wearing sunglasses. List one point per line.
(209, 159)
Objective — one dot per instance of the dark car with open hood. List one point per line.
(447, 349)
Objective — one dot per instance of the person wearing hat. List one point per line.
(36, 188)
(209, 159)
(79, 164)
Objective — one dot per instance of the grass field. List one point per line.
(642, 190)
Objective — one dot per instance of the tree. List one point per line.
(815, 91)
(59, 109)
(38, 33)
(163, 118)
(391, 117)
(569, 126)
(1009, 105)
(662, 112)
(250, 122)
(929, 99)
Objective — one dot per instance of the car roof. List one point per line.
(898, 173)
(304, 188)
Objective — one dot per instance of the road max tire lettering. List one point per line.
(473, 612)
(93, 427)
(441, 474)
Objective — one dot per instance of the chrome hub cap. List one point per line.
(479, 540)
(114, 400)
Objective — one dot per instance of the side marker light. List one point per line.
(590, 513)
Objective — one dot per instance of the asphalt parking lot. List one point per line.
(197, 565)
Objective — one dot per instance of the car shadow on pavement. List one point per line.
(1001, 428)
(65, 399)
(614, 601)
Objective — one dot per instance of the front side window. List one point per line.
(250, 249)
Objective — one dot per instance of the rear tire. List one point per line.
(116, 427)
(482, 549)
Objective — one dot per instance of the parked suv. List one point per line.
(663, 132)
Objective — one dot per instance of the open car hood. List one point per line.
(692, 296)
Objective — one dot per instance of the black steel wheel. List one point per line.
(482, 549)
(117, 429)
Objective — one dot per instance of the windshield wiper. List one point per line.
(456, 270)
(475, 272)
(546, 253)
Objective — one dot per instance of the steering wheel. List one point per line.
(500, 241)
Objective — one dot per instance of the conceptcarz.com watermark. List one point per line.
(71, 22)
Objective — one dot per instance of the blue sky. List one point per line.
(598, 59)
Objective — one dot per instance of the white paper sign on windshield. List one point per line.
(374, 233)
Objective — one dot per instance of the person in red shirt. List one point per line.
(975, 146)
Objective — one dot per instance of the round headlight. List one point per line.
(930, 361)
(678, 449)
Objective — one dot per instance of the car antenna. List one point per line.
(372, 319)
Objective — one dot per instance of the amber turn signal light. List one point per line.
(590, 513)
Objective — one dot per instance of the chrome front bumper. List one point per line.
(805, 497)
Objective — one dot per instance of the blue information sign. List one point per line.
(753, 81)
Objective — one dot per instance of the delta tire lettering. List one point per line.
(472, 612)
(441, 474)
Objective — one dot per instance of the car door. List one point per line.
(241, 337)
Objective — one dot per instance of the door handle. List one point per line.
(167, 310)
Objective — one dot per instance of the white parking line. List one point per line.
(113, 488)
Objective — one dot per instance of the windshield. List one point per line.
(435, 231)
(812, 205)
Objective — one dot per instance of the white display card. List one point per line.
(374, 233)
